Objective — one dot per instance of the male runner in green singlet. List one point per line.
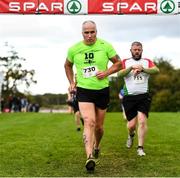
(91, 57)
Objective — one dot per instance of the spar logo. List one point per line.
(74, 6)
(167, 6)
(35, 7)
(130, 7)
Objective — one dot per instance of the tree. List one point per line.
(14, 74)
(165, 87)
(116, 83)
(161, 101)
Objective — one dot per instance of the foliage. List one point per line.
(48, 99)
(115, 85)
(48, 145)
(14, 73)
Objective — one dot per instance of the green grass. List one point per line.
(39, 144)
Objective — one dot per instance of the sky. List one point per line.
(43, 40)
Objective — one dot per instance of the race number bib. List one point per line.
(139, 78)
(89, 71)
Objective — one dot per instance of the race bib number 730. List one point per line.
(89, 71)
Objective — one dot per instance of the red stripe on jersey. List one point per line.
(124, 63)
(150, 63)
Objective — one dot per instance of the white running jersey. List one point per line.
(136, 84)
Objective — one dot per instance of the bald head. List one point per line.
(88, 23)
(89, 32)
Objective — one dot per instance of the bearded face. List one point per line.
(136, 51)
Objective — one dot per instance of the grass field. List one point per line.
(39, 144)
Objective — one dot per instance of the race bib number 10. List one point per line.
(89, 71)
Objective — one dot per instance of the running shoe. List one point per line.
(141, 152)
(90, 164)
(129, 142)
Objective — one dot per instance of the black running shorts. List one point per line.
(134, 103)
(99, 97)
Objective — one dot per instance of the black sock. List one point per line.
(82, 121)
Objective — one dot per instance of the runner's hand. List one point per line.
(72, 87)
(101, 74)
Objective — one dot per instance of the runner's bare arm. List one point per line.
(70, 74)
(114, 68)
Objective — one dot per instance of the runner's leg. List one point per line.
(88, 113)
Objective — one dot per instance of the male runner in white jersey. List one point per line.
(91, 57)
(136, 71)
